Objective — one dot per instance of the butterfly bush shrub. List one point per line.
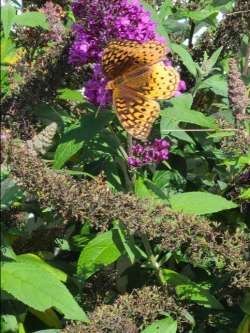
(103, 233)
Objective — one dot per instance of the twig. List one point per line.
(242, 117)
(239, 12)
(129, 143)
(121, 162)
(202, 130)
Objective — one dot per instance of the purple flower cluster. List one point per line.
(103, 20)
(100, 21)
(95, 89)
(149, 153)
(84, 48)
(181, 88)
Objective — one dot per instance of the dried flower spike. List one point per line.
(42, 142)
(237, 92)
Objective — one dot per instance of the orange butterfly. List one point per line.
(138, 77)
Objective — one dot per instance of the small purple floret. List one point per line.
(181, 88)
(148, 153)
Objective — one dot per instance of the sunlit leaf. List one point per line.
(189, 290)
(32, 19)
(39, 289)
(8, 14)
(100, 251)
(200, 203)
(167, 325)
(185, 57)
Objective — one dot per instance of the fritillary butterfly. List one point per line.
(138, 78)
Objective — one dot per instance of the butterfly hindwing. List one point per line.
(135, 112)
(162, 82)
(155, 82)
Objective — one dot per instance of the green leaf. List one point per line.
(7, 15)
(48, 317)
(185, 57)
(175, 26)
(9, 192)
(8, 51)
(245, 194)
(198, 15)
(217, 83)
(70, 95)
(214, 57)
(34, 259)
(203, 14)
(190, 116)
(145, 189)
(156, 18)
(141, 189)
(46, 113)
(32, 19)
(245, 303)
(220, 134)
(48, 331)
(165, 9)
(244, 325)
(245, 159)
(166, 325)
(181, 135)
(200, 203)
(100, 251)
(73, 140)
(189, 290)
(6, 249)
(9, 324)
(180, 112)
(124, 242)
(183, 101)
(39, 289)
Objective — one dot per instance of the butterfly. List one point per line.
(138, 78)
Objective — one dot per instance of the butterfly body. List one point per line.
(138, 77)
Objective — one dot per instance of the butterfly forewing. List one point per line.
(149, 52)
(117, 58)
(122, 56)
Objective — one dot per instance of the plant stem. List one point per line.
(247, 57)
(122, 162)
(196, 87)
(21, 328)
(190, 39)
(129, 143)
(152, 259)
